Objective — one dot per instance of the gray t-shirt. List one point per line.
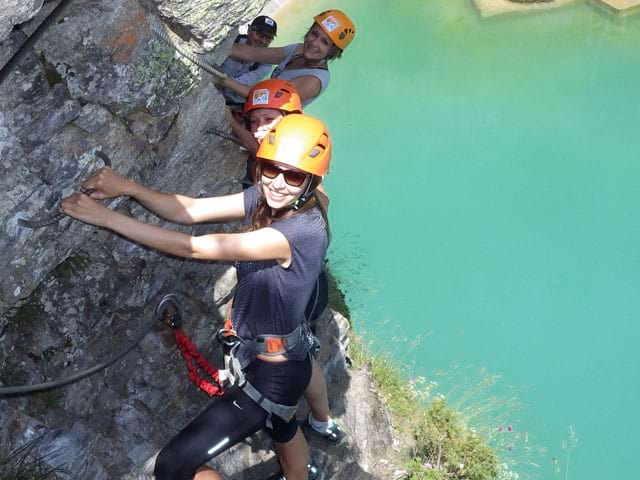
(321, 74)
(247, 73)
(271, 299)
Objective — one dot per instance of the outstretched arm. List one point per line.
(307, 86)
(264, 244)
(247, 53)
(237, 87)
(176, 208)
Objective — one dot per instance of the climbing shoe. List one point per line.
(312, 472)
(332, 433)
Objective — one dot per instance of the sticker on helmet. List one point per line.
(260, 97)
(330, 23)
(268, 21)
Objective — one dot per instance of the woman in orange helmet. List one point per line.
(305, 65)
(269, 102)
(278, 260)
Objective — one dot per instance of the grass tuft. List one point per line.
(25, 463)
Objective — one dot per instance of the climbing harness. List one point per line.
(239, 353)
(169, 312)
(55, 216)
(161, 32)
(223, 134)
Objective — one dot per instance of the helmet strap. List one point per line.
(304, 197)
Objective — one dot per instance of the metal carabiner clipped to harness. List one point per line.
(227, 337)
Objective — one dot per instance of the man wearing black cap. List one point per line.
(261, 33)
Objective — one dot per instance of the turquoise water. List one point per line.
(485, 214)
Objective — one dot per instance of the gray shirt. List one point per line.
(280, 71)
(247, 73)
(271, 299)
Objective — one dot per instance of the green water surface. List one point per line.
(485, 186)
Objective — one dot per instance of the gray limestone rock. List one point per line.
(208, 22)
(15, 12)
(73, 297)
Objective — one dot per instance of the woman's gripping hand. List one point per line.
(81, 207)
(106, 183)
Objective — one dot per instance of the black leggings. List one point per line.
(233, 417)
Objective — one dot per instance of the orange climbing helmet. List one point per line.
(273, 93)
(300, 141)
(338, 26)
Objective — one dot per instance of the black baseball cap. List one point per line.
(265, 24)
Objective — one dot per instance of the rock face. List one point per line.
(73, 297)
(15, 12)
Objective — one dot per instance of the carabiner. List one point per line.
(169, 310)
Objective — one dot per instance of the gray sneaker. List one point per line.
(312, 472)
(332, 434)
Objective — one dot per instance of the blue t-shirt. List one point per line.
(271, 299)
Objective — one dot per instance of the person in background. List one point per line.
(305, 64)
(267, 103)
(260, 34)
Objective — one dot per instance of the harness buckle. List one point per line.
(226, 335)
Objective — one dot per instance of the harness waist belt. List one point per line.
(270, 345)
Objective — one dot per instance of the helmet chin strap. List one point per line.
(304, 197)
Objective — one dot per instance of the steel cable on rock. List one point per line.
(161, 32)
(25, 389)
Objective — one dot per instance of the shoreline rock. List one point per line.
(490, 8)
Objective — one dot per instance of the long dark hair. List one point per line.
(264, 215)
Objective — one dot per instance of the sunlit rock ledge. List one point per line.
(490, 8)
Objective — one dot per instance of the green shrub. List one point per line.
(444, 446)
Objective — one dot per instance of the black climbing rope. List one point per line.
(23, 389)
(157, 315)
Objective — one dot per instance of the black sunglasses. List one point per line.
(263, 35)
(293, 178)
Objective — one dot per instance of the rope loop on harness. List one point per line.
(195, 360)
